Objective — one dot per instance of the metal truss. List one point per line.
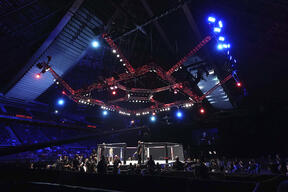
(82, 95)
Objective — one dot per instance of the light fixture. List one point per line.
(220, 24)
(219, 46)
(211, 19)
(217, 29)
(152, 118)
(61, 102)
(95, 44)
(202, 111)
(104, 113)
(221, 38)
(179, 114)
(239, 84)
(38, 76)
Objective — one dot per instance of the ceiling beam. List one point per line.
(158, 26)
(191, 21)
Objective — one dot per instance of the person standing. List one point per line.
(139, 152)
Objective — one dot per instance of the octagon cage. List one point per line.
(161, 152)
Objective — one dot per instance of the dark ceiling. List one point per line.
(258, 31)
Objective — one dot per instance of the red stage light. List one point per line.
(38, 76)
(202, 110)
(63, 92)
(114, 92)
(238, 84)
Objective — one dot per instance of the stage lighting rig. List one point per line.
(142, 95)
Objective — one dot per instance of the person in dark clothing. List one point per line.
(178, 165)
(59, 163)
(76, 163)
(102, 166)
(139, 152)
(158, 168)
(131, 169)
(150, 165)
(66, 163)
(116, 164)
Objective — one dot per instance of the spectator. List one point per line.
(150, 165)
(116, 165)
(178, 165)
(102, 166)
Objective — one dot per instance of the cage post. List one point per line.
(143, 152)
(166, 153)
(125, 152)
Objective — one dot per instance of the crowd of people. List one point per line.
(199, 167)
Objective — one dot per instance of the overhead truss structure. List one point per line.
(82, 96)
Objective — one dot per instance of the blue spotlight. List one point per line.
(217, 29)
(95, 44)
(219, 46)
(153, 118)
(220, 24)
(61, 102)
(225, 46)
(179, 114)
(211, 19)
(221, 38)
(105, 113)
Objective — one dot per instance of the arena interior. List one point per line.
(143, 95)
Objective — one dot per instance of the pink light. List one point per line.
(63, 92)
(38, 76)
(239, 84)
(202, 110)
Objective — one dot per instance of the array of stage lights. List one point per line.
(224, 45)
(118, 56)
(124, 113)
(85, 102)
(188, 105)
(164, 109)
(138, 101)
(107, 108)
